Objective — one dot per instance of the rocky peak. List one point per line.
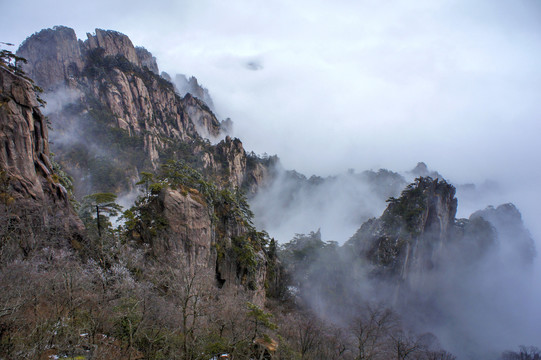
(411, 231)
(205, 121)
(419, 232)
(422, 170)
(191, 86)
(54, 57)
(146, 59)
(507, 221)
(233, 158)
(113, 43)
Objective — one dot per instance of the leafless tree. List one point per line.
(524, 353)
(371, 328)
(189, 288)
(404, 344)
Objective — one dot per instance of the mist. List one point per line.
(482, 307)
(336, 205)
(77, 143)
(479, 299)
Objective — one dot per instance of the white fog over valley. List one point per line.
(340, 90)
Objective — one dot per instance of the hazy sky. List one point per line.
(347, 84)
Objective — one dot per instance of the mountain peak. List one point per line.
(114, 43)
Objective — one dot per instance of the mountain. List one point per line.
(418, 232)
(114, 116)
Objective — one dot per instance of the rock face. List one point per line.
(31, 193)
(189, 229)
(146, 59)
(418, 231)
(412, 230)
(55, 55)
(421, 170)
(507, 221)
(207, 237)
(191, 86)
(113, 43)
(119, 88)
(205, 121)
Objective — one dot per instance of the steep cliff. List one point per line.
(116, 91)
(418, 232)
(146, 59)
(184, 214)
(55, 56)
(192, 86)
(34, 202)
(411, 231)
(113, 43)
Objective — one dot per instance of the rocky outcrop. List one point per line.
(113, 43)
(206, 123)
(259, 175)
(189, 226)
(421, 170)
(507, 221)
(418, 232)
(143, 104)
(185, 224)
(32, 196)
(412, 230)
(55, 57)
(146, 59)
(191, 86)
(232, 159)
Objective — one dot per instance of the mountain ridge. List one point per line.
(113, 86)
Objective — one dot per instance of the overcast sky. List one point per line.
(332, 85)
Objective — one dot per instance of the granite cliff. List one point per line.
(208, 236)
(33, 198)
(418, 233)
(108, 86)
(411, 231)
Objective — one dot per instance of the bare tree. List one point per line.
(304, 333)
(404, 345)
(189, 288)
(524, 353)
(371, 329)
(335, 345)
